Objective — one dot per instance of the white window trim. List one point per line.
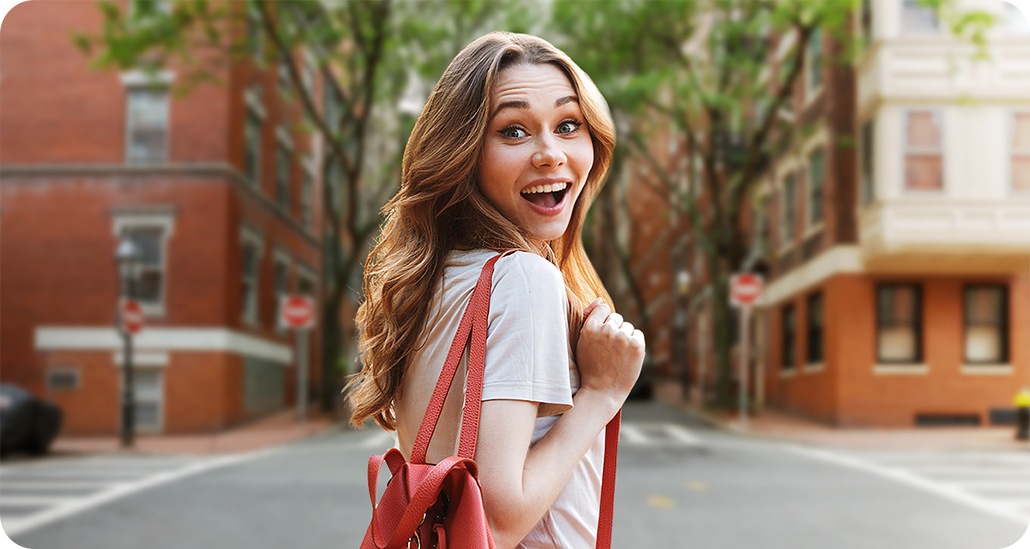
(814, 367)
(307, 274)
(902, 31)
(284, 137)
(812, 228)
(813, 92)
(1012, 152)
(140, 79)
(161, 84)
(987, 369)
(252, 97)
(148, 359)
(783, 172)
(252, 236)
(901, 369)
(162, 403)
(281, 257)
(938, 114)
(161, 216)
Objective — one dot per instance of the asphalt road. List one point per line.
(680, 485)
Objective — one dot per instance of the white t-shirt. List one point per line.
(528, 357)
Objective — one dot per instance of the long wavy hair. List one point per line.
(440, 207)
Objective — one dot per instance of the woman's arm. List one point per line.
(520, 483)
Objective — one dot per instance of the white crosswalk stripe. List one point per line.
(657, 435)
(1001, 478)
(37, 493)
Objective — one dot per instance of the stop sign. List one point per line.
(297, 311)
(132, 316)
(745, 289)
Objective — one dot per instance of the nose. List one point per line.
(549, 153)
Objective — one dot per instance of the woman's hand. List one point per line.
(610, 353)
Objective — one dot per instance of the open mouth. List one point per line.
(546, 196)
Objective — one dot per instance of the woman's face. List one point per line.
(537, 150)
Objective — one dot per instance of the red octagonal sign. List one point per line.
(745, 289)
(297, 311)
(132, 316)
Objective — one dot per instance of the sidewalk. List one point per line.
(266, 432)
(782, 426)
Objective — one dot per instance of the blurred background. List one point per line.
(868, 159)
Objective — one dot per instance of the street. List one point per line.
(680, 484)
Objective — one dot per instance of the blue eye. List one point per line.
(569, 126)
(513, 132)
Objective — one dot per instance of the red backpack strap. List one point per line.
(479, 305)
(611, 455)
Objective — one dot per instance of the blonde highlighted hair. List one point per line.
(440, 207)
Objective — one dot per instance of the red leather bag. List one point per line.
(440, 506)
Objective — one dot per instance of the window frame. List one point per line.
(156, 216)
(914, 4)
(815, 203)
(907, 150)
(280, 258)
(1003, 326)
(132, 90)
(916, 325)
(75, 373)
(815, 58)
(284, 187)
(788, 209)
(815, 332)
(254, 112)
(307, 193)
(788, 338)
(867, 158)
(250, 307)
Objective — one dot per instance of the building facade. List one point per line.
(219, 189)
(899, 252)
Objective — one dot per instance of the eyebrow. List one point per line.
(521, 104)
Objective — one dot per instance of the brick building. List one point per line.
(219, 188)
(898, 230)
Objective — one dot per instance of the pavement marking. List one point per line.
(937, 487)
(69, 506)
(657, 434)
(660, 502)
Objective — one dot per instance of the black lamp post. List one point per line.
(682, 320)
(128, 258)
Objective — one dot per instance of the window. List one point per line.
(787, 201)
(867, 21)
(1020, 160)
(814, 64)
(250, 268)
(148, 286)
(924, 158)
(255, 34)
(148, 384)
(916, 17)
(252, 154)
(285, 82)
(816, 180)
(306, 191)
(814, 309)
(787, 352)
(282, 175)
(62, 379)
(282, 285)
(868, 166)
(986, 321)
(146, 125)
(898, 324)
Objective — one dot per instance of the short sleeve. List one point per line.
(527, 346)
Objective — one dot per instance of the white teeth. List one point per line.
(550, 188)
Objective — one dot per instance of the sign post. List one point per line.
(298, 312)
(745, 289)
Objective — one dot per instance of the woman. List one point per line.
(509, 151)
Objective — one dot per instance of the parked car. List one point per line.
(27, 424)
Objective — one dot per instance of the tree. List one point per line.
(699, 73)
(379, 56)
